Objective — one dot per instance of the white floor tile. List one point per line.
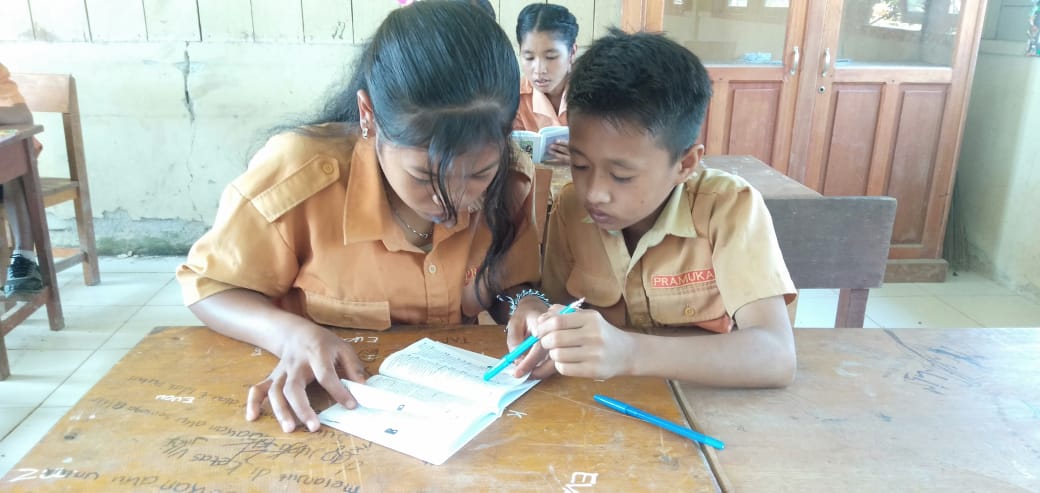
(915, 311)
(997, 311)
(84, 378)
(86, 327)
(168, 295)
(817, 310)
(35, 374)
(966, 284)
(154, 265)
(11, 417)
(898, 289)
(148, 318)
(118, 288)
(23, 438)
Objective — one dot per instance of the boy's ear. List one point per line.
(689, 162)
(574, 51)
(364, 103)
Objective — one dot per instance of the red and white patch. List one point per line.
(684, 279)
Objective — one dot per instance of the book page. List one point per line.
(456, 371)
(429, 431)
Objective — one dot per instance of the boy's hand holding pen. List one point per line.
(527, 345)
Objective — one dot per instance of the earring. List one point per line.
(364, 133)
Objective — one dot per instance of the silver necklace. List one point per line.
(393, 210)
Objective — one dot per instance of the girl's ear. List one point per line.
(689, 162)
(364, 104)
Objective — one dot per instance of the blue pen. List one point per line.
(524, 346)
(623, 408)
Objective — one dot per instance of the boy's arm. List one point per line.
(759, 354)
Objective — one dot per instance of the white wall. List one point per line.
(998, 177)
(175, 94)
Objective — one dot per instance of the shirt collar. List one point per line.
(540, 103)
(366, 210)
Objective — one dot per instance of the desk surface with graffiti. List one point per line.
(170, 416)
(885, 410)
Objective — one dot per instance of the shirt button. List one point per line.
(690, 311)
(327, 168)
(432, 268)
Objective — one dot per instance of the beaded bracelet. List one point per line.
(515, 300)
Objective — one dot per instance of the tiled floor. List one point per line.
(52, 370)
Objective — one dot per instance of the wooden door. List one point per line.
(753, 52)
(882, 107)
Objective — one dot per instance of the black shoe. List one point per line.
(23, 277)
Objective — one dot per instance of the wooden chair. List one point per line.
(836, 243)
(542, 191)
(18, 160)
(56, 93)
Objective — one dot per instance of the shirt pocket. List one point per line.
(597, 290)
(700, 305)
(326, 310)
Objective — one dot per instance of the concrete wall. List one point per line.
(993, 218)
(176, 94)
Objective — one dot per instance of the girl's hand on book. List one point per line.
(584, 344)
(310, 353)
(559, 154)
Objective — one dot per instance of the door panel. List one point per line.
(914, 160)
(853, 131)
(754, 108)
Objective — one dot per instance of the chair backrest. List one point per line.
(47, 93)
(834, 242)
(542, 189)
(56, 93)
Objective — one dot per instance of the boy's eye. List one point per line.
(621, 179)
(578, 167)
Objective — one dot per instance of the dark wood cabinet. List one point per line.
(849, 97)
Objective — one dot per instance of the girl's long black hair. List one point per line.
(442, 76)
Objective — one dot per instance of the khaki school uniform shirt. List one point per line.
(309, 225)
(536, 111)
(711, 251)
(10, 97)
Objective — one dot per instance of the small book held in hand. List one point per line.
(428, 401)
(536, 144)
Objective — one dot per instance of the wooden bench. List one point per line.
(836, 243)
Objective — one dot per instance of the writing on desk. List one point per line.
(360, 339)
(309, 480)
(27, 473)
(175, 398)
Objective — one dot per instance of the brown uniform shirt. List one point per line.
(536, 111)
(308, 225)
(10, 97)
(711, 251)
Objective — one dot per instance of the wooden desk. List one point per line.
(170, 416)
(882, 410)
(770, 182)
(18, 160)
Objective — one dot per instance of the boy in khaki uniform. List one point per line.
(654, 241)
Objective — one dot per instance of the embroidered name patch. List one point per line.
(686, 278)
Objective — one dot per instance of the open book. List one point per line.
(536, 144)
(428, 400)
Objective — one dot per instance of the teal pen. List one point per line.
(524, 346)
(624, 408)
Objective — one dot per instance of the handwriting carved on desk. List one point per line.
(27, 473)
(581, 480)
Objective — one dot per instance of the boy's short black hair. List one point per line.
(646, 80)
